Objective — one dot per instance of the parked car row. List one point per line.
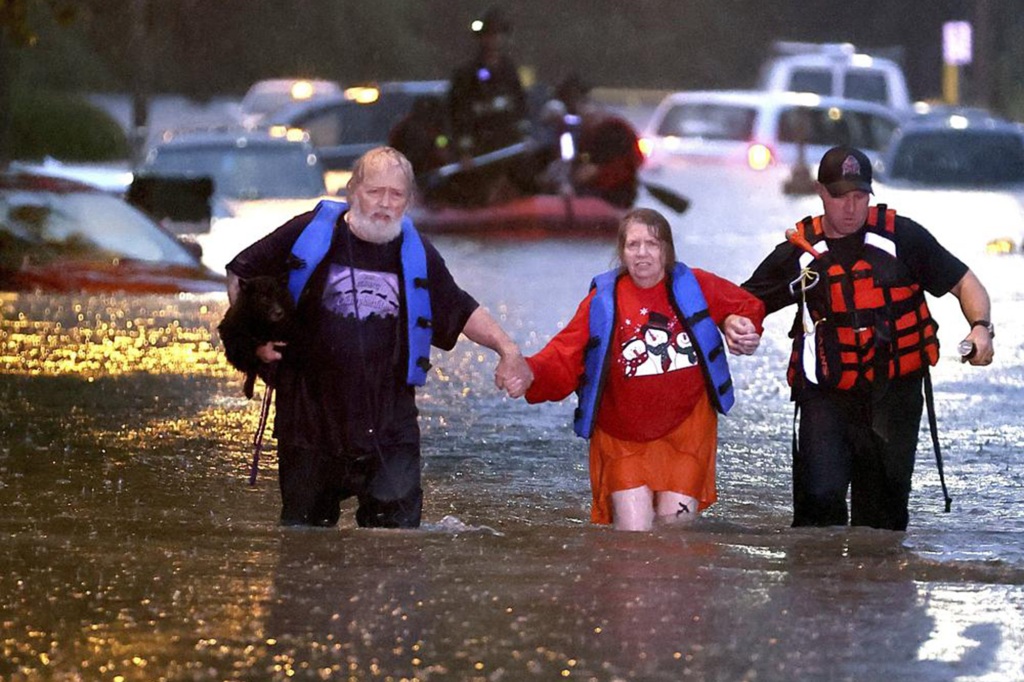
(946, 166)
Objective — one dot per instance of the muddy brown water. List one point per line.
(134, 548)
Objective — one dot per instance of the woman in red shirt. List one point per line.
(653, 434)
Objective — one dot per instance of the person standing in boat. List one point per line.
(372, 297)
(489, 111)
(644, 353)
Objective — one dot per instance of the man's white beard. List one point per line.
(372, 230)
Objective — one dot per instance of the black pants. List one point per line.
(861, 442)
(386, 484)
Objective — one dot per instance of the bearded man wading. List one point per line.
(372, 297)
(863, 340)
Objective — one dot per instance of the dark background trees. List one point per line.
(204, 48)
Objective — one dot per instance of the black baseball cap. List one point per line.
(845, 169)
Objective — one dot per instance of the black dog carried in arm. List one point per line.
(263, 311)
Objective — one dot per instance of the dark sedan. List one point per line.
(960, 173)
(63, 236)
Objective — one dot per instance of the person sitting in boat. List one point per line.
(424, 138)
(489, 111)
(593, 152)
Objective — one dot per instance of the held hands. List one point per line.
(740, 335)
(513, 374)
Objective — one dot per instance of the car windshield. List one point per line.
(956, 157)
(44, 227)
(831, 126)
(245, 172)
(709, 121)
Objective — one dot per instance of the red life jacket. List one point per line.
(859, 326)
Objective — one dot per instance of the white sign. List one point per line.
(956, 43)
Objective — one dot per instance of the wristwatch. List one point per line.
(987, 325)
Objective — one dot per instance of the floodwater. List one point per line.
(134, 548)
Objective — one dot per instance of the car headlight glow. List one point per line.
(1001, 245)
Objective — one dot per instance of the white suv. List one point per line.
(835, 69)
(759, 130)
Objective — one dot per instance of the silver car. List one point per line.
(759, 130)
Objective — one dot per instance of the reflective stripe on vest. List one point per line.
(314, 242)
(690, 306)
(840, 345)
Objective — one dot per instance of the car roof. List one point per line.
(298, 110)
(960, 118)
(34, 182)
(285, 84)
(765, 98)
(228, 137)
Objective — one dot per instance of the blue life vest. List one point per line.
(314, 242)
(691, 308)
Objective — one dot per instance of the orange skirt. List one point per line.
(682, 461)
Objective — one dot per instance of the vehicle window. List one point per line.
(866, 84)
(830, 126)
(48, 226)
(709, 121)
(324, 128)
(960, 158)
(251, 172)
(357, 123)
(818, 81)
(265, 102)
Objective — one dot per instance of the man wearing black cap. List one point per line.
(863, 340)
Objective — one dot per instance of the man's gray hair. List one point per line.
(379, 158)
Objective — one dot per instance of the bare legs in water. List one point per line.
(639, 508)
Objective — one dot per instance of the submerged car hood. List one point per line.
(965, 221)
(124, 276)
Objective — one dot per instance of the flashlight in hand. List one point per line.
(967, 350)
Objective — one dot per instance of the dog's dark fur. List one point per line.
(262, 312)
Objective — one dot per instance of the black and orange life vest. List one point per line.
(859, 326)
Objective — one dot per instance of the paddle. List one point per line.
(675, 201)
(438, 175)
(434, 178)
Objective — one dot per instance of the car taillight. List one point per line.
(646, 146)
(759, 156)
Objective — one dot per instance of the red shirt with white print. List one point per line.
(654, 379)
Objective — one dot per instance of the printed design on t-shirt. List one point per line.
(656, 345)
(376, 293)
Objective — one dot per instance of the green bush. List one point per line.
(64, 127)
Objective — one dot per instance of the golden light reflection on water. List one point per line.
(111, 335)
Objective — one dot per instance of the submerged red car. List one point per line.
(59, 235)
